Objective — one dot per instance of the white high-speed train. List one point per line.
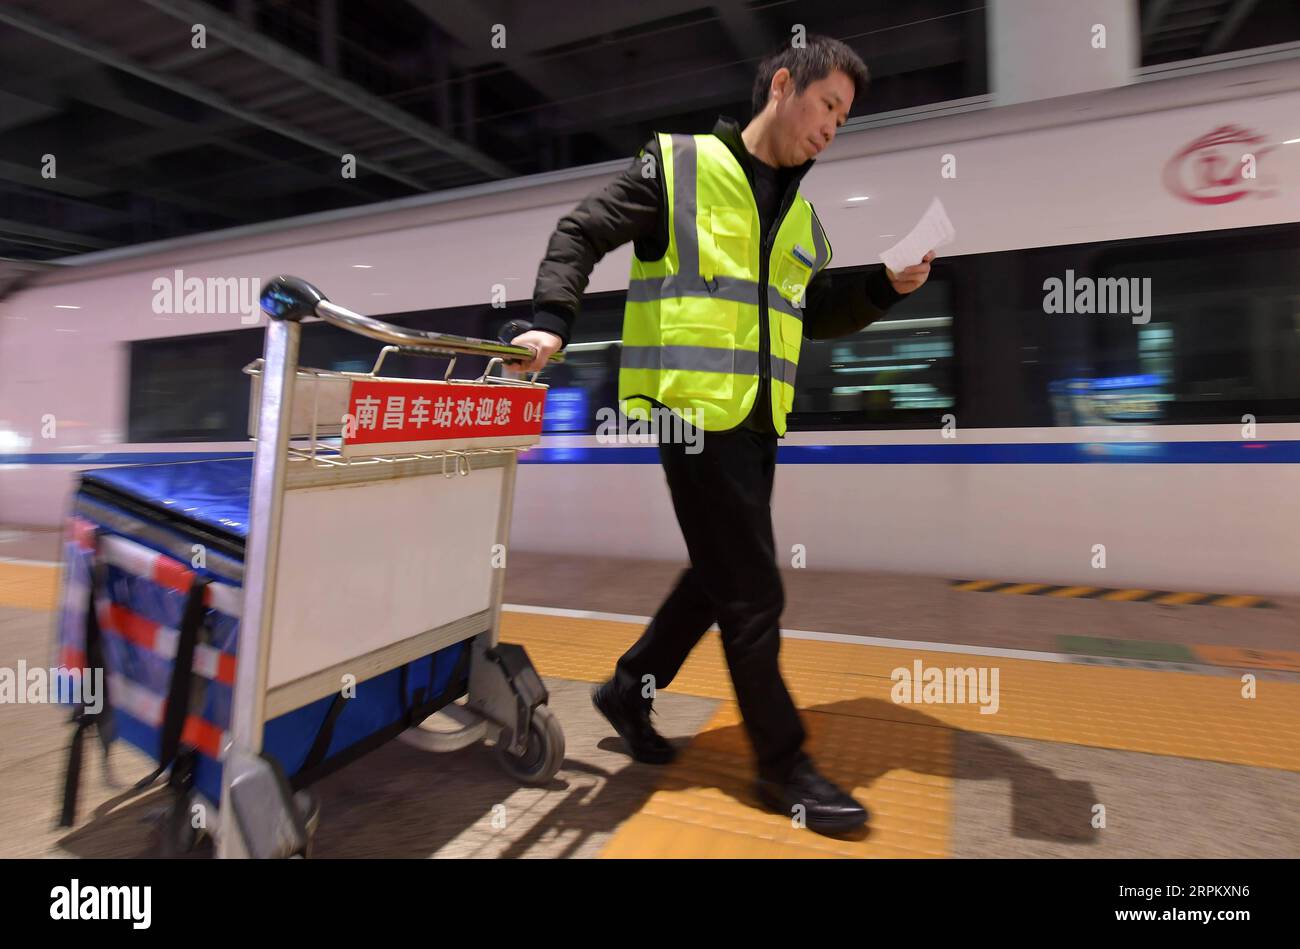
(1108, 354)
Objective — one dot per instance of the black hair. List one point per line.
(816, 59)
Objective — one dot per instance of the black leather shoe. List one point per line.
(632, 722)
(825, 806)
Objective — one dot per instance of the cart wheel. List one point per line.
(544, 754)
(179, 835)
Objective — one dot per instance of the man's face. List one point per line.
(807, 122)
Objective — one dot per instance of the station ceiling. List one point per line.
(141, 120)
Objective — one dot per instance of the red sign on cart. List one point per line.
(409, 414)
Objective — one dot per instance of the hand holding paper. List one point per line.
(931, 232)
(913, 278)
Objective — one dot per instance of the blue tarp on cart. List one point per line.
(144, 533)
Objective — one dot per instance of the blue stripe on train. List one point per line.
(956, 453)
(953, 453)
(115, 457)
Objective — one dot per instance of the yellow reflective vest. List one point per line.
(692, 332)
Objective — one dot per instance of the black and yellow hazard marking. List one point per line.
(1162, 597)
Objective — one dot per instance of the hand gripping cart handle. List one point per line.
(365, 553)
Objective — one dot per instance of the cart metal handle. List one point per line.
(292, 298)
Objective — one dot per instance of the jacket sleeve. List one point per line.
(840, 304)
(630, 208)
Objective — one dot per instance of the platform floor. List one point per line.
(1181, 762)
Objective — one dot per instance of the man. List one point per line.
(727, 276)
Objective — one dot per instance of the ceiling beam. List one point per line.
(120, 164)
(654, 94)
(234, 33)
(470, 24)
(745, 29)
(69, 40)
(534, 28)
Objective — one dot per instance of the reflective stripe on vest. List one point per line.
(691, 332)
(705, 359)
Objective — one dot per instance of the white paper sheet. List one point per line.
(931, 232)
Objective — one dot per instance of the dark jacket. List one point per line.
(634, 208)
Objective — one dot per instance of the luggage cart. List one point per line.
(378, 518)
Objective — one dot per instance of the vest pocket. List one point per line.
(727, 243)
(699, 340)
(792, 276)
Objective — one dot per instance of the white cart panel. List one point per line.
(364, 566)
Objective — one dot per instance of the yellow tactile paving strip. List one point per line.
(28, 586)
(896, 759)
(704, 805)
(1182, 714)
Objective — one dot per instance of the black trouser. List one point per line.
(722, 497)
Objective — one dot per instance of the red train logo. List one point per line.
(1219, 167)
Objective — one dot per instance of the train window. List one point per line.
(1187, 328)
(191, 388)
(896, 372)
(1213, 335)
(584, 388)
(1218, 338)
(1175, 32)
